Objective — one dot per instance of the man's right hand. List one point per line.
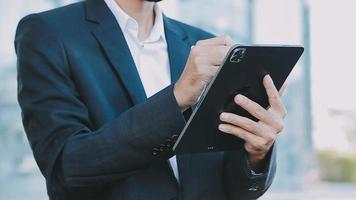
(204, 60)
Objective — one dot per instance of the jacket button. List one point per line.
(175, 137)
(162, 147)
(155, 151)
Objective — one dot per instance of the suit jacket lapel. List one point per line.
(113, 43)
(112, 40)
(178, 48)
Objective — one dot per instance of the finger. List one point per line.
(282, 90)
(220, 40)
(243, 122)
(258, 128)
(273, 96)
(254, 109)
(247, 136)
(210, 71)
(252, 150)
(254, 142)
(212, 55)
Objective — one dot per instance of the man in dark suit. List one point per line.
(104, 88)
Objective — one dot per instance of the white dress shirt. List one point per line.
(150, 55)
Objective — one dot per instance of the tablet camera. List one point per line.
(238, 55)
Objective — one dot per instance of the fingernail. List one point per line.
(223, 116)
(269, 78)
(239, 98)
(222, 128)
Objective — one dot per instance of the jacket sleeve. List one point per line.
(241, 181)
(57, 123)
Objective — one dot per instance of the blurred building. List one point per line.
(247, 21)
(20, 178)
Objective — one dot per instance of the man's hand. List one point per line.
(258, 136)
(204, 61)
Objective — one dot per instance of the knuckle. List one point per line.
(201, 72)
(258, 128)
(265, 148)
(228, 129)
(229, 40)
(265, 145)
(279, 126)
(248, 147)
(224, 37)
(284, 113)
(258, 112)
(270, 138)
(199, 43)
(227, 37)
(194, 51)
(251, 147)
(233, 119)
(197, 60)
(241, 134)
(259, 146)
(210, 73)
(274, 97)
(250, 126)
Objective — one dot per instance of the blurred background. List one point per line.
(316, 153)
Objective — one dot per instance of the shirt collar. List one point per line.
(126, 22)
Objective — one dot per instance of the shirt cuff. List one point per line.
(257, 173)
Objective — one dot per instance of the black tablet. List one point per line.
(242, 73)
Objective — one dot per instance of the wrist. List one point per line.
(181, 98)
(257, 162)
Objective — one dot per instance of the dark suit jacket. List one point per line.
(93, 132)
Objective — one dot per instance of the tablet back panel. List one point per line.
(242, 73)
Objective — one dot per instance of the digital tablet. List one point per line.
(242, 73)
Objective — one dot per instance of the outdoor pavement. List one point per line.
(321, 191)
(33, 188)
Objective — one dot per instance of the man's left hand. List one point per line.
(258, 136)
